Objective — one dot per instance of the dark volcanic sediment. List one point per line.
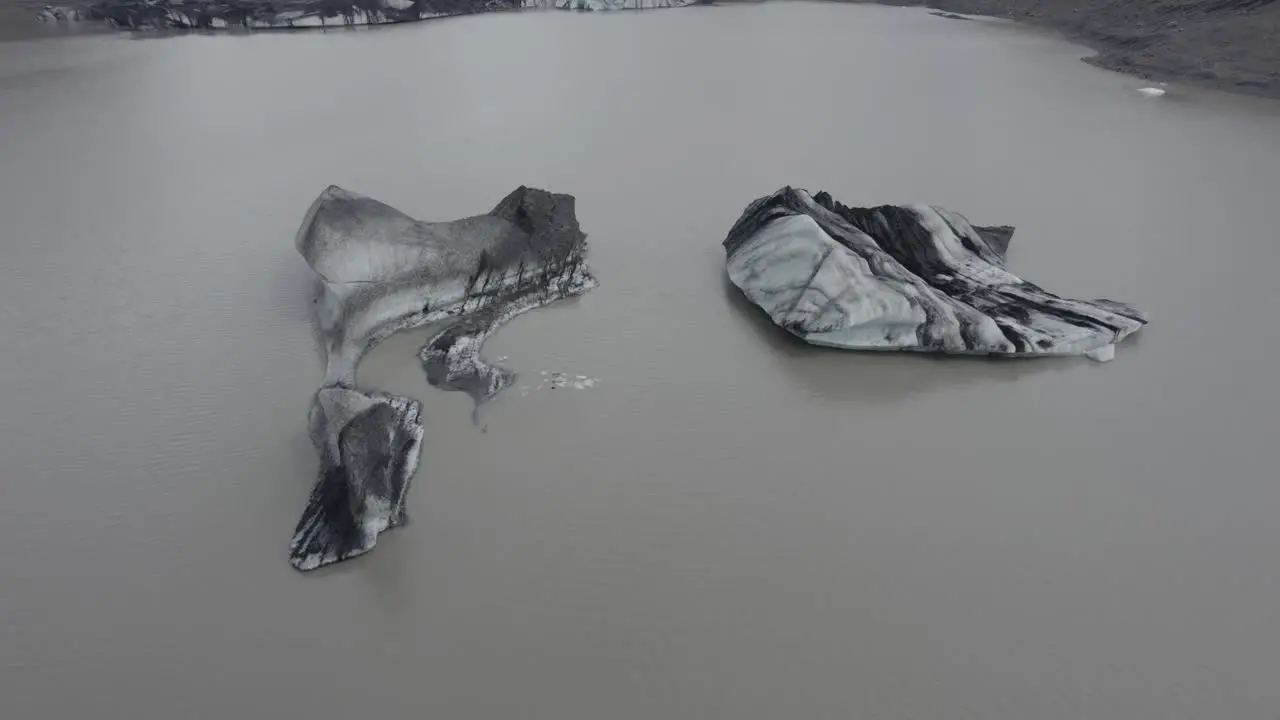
(1226, 44)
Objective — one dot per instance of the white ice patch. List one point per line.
(1102, 354)
(558, 381)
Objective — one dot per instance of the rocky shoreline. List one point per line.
(1231, 45)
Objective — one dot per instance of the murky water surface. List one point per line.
(728, 525)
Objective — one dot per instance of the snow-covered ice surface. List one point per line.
(906, 278)
(380, 271)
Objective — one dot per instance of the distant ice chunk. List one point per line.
(621, 4)
(205, 15)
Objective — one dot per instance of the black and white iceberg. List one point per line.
(381, 271)
(277, 14)
(915, 278)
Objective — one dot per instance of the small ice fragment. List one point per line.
(1150, 92)
(544, 372)
(1102, 354)
(582, 377)
(502, 359)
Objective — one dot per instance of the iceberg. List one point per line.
(622, 4)
(379, 272)
(916, 278)
(369, 445)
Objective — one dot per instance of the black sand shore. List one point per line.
(1231, 45)
(1226, 44)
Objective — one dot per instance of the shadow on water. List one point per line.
(878, 377)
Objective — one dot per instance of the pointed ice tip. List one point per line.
(1150, 92)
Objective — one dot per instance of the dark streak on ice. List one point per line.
(905, 278)
(291, 14)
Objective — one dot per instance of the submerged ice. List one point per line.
(906, 278)
(381, 271)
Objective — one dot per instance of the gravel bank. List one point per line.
(1227, 44)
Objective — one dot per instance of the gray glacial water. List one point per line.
(729, 524)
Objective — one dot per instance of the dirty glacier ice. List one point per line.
(380, 271)
(917, 278)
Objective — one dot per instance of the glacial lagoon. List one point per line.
(723, 522)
